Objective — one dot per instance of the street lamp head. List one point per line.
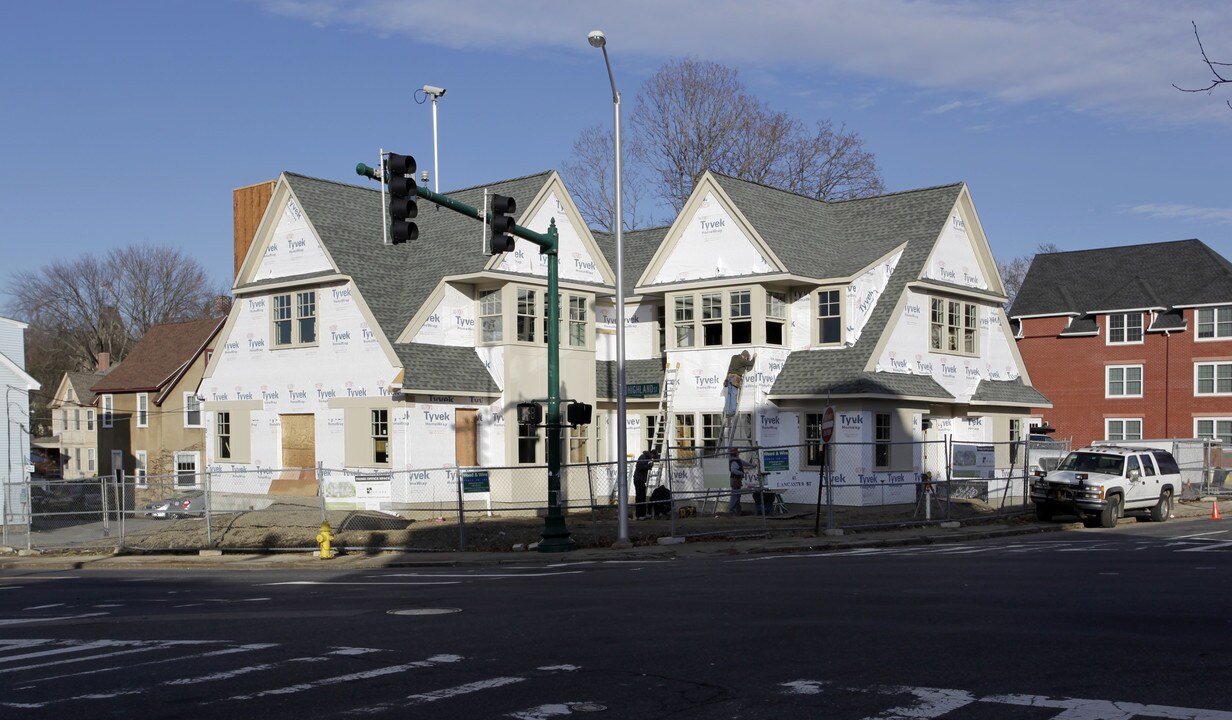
(597, 38)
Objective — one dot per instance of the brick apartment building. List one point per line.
(1130, 342)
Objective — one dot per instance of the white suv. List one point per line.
(1101, 484)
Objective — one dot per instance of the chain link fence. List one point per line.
(789, 489)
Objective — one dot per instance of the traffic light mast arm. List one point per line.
(545, 242)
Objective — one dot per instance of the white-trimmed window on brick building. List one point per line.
(491, 319)
(1215, 323)
(882, 429)
(1124, 328)
(776, 318)
(1213, 378)
(829, 317)
(953, 326)
(379, 420)
(222, 435)
(1214, 428)
(1122, 429)
(186, 468)
(294, 318)
(1123, 381)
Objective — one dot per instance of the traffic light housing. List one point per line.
(530, 413)
(503, 208)
(577, 413)
(402, 195)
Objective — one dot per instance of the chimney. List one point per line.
(249, 206)
(104, 361)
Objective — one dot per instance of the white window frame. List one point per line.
(143, 410)
(953, 327)
(1124, 381)
(90, 419)
(141, 467)
(883, 438)
(224, 429)
(579, 321)
(107, 403)
(1214, 433)
(526, 325)
(179, 471)
(491, 316)
(1215, 368)
(1215, 322)
(378, 431)
(1125, 329)
(90, 459)
(188, 396)
(1124, 435)
(834, 301)
(776, 315)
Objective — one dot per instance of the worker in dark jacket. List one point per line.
(641, 471)
(739, 365)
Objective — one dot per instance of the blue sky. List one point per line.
(131, 122)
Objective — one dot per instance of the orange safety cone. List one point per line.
(1214, 509)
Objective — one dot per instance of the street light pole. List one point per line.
(599, 40)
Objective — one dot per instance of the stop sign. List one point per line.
(827, 424)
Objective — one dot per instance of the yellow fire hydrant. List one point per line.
(323, 539)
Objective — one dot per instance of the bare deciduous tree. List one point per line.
(80, 307)
(1014, 271)
(694, 115)
(1217, 77)
(592, 166)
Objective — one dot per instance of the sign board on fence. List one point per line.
(775, 460)
(973, 461)
(475, 481)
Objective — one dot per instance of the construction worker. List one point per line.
(739, 365)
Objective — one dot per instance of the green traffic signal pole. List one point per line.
(555, 535)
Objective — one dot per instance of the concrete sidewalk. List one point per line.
(668, 549)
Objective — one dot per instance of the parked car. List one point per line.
(1103, 483)
(188, 504)
(65, 496)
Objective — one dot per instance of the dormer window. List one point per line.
(1124, 328)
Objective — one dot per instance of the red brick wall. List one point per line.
(1070, 371)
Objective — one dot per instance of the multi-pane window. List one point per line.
(1123, 429)
(815, 450)
(185, 469)
(684, 321)
(740, 307)
(528, 442)
(776, 317)
(1015, 438)
(953, 326)
(108, 404)
(491, 322)
(222, 427)
(380, 436)
(77, 418)
(652, 427)
(143, 410)
(829, 317)
(90, 459)
(141, 468)
(577, 443)
(1124, 381)
(192, 410)
(1124, 328)
(881, 440)
(1214, 428)
(1213, 378)
(1215, 322)
(712, 319)
(577, 321)
(77, 459)
(712, 429)
(685, 434)
(528, 316)
(294, 318)
(90, 420)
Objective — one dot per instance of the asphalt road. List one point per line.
(1086, 625)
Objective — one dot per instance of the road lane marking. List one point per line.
(250, 647)
(481, 575)
(142, 647)
(27, 621)
(329, 582)
(364, 675)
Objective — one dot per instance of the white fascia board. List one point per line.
(1046, 315)
(22, 375)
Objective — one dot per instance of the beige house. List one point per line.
(73, 422)
(150, 421)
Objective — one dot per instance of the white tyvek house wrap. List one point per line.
(954, 259)
(452, 321)
(908, 351)
(574, 259)
(711, 245)
(641, 338)
(864, 293)
(293, 248)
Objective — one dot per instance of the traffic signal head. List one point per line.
(502, 223)
(530, 413)
(577, 413)
(402, 195)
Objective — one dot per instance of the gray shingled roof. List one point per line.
(1008, 392)
(1085, 325)
(839, 382)
(395, 280)
(640, 247)
(1166, 275)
